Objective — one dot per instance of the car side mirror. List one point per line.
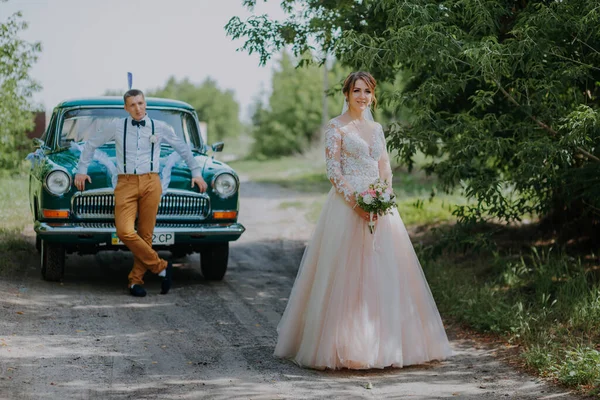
(38, 143)
(217, 147)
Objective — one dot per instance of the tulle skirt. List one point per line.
(360, 300)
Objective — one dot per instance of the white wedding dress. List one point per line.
(357, 303)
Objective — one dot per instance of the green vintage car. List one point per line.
(68, 221)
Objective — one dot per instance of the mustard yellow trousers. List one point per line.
(138, 196)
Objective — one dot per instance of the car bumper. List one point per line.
(90, 232)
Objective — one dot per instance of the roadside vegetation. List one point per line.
(14, 217)
(543, 298)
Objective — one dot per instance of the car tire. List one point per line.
(213, 261)
(53, 261)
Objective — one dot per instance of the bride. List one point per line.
(360, 300)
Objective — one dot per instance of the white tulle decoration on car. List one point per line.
(103, 159)
(35, 157)
(165, 173)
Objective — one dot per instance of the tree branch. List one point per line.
(575, 61)
(547, 128)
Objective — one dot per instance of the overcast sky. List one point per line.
(89, 45)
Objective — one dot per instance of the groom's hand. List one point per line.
(80, 181)
(198, 181)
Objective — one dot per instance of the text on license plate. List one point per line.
(163, 238)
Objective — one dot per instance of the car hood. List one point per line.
(102, 170)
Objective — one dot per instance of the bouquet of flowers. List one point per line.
(378, 199)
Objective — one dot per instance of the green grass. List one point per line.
(14, 215)
(280, 169)
(284, 205)
(236, 147)
(310, 182)
(546, 301)
(423, 211)
(14, 202)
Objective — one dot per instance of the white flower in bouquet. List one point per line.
(377, 199)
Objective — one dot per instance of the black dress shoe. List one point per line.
(137, 291)
(167, 280)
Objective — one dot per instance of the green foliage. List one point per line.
(16, 88)
(310, 21)
(579, 367)
(503, 95)
(292, 119)
(218, 108)
(546, 301)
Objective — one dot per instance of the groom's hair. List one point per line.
(366, 78)
(132, 93)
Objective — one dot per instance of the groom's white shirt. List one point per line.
(138, 147)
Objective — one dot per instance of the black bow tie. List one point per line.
(138, 123)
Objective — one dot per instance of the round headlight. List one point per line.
(58, 182)
(225, 185)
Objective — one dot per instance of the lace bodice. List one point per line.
(355, 158)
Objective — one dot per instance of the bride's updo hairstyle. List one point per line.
(366, 77)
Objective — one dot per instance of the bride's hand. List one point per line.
(364, 214)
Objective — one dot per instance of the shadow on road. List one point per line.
(86, 338)
(108, 270)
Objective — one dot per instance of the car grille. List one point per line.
(174, 205)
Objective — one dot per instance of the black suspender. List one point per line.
(125, 147)
(152, 150)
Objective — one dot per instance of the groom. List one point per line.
(138, 192)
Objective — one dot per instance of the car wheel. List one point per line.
(213, 261)
(52, 260)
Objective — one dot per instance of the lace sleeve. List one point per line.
(333, 154)
(385, 170)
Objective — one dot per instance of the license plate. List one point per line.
(163, 238)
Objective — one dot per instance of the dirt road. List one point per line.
(87, 339)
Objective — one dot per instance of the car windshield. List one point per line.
(79, 125)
